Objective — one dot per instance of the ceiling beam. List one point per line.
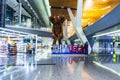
(57, 7)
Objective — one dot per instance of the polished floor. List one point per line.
(44, 67)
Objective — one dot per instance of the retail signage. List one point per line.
(68, 49)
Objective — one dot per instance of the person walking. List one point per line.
(86, 48)
(29, 51)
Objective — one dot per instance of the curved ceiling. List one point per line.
(39, 9)
(14, 4)
(42, 9)
(93, 10)
(59, 7)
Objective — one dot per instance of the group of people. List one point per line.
(79, 48)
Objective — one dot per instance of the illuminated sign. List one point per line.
(68, 49)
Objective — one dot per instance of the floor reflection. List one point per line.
(106, 58)
(11, 60)
(76, 59)
(22, 66)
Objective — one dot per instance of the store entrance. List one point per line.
(104, 45)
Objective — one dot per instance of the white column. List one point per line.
(78, 23)
(36, 44)
(73, 22)
(36, 50)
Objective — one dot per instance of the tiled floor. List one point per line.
(98, 73)
(51, 68)
(109, 61)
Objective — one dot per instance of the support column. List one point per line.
(2, 12)
(35, 20)
(19, 14)
(65, 29)
(36, 37)
(78, 23)
(65, 32)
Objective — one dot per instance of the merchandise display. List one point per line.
(12, 48)
(68, 49)
(20, 60)
(43, 43)
(3, 48)
(21, 47)
(13, 42)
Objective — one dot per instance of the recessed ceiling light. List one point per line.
(62, 7)
(88, 4)
(102, 15)
(104, 0)
(106, 8)
(28, 4)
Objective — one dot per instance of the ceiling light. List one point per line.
(84, 14)
(28, 4)
(89, 23)
(62, 7)
(104, 0)
(107, 33)
(102, 16)
(33, 11)
(106, 8)
(88, 4)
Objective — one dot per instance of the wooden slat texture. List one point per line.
(66, 3)
(93, 10)
(62, 12)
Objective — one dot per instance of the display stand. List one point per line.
(3, 48)
(14, 41)
(21, 48)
